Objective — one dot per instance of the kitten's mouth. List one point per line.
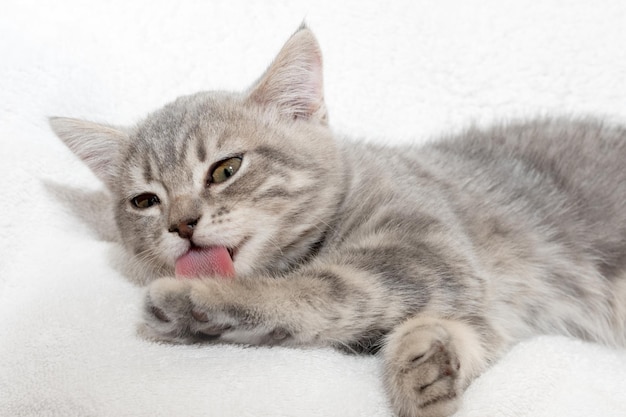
(206, 262)
(209, 261)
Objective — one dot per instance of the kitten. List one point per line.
(441, 256)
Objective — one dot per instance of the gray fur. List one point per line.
(441, 256)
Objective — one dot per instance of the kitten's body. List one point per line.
(442, 256)
(527, 222)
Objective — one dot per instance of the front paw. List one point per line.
(422, 371)
(209, 310)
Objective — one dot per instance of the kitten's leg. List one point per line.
(428, 364)
(322, 307)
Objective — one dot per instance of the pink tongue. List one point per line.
(205, 262)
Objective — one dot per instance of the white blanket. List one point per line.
(394, 71)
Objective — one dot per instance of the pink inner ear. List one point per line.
(205, 262)
(97, 145)
(294, 81)
(311, 92)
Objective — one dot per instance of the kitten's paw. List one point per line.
(422, 371)
(166, 310)
(192, 311)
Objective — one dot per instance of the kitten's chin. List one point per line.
(198, 261)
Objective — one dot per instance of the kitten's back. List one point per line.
(565, 174)
(538, 208)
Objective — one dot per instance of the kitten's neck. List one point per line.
(326, 232)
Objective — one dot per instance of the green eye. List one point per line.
(224, 170)
(143, 201)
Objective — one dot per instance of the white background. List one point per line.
(394, 72)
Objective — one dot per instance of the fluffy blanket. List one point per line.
(395, 72)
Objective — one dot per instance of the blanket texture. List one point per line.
(394, 72)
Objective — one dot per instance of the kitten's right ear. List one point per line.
(99, 146)
(293, 82)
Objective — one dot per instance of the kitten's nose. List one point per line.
(184, 228)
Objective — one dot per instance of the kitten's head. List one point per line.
(244, 182)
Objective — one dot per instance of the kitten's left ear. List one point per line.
(293, 83)
(99, 146)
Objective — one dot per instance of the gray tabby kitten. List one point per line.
(261, 227)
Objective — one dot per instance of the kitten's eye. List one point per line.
(224, 170)
(143, 201)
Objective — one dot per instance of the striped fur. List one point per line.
(441, 257)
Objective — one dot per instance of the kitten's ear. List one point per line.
(293, 82)
(99, 146)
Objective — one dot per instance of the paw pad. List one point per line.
(214, 330)
(279, 334)
(159, 314)
(200, 316)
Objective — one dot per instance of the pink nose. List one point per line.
(184, 228)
